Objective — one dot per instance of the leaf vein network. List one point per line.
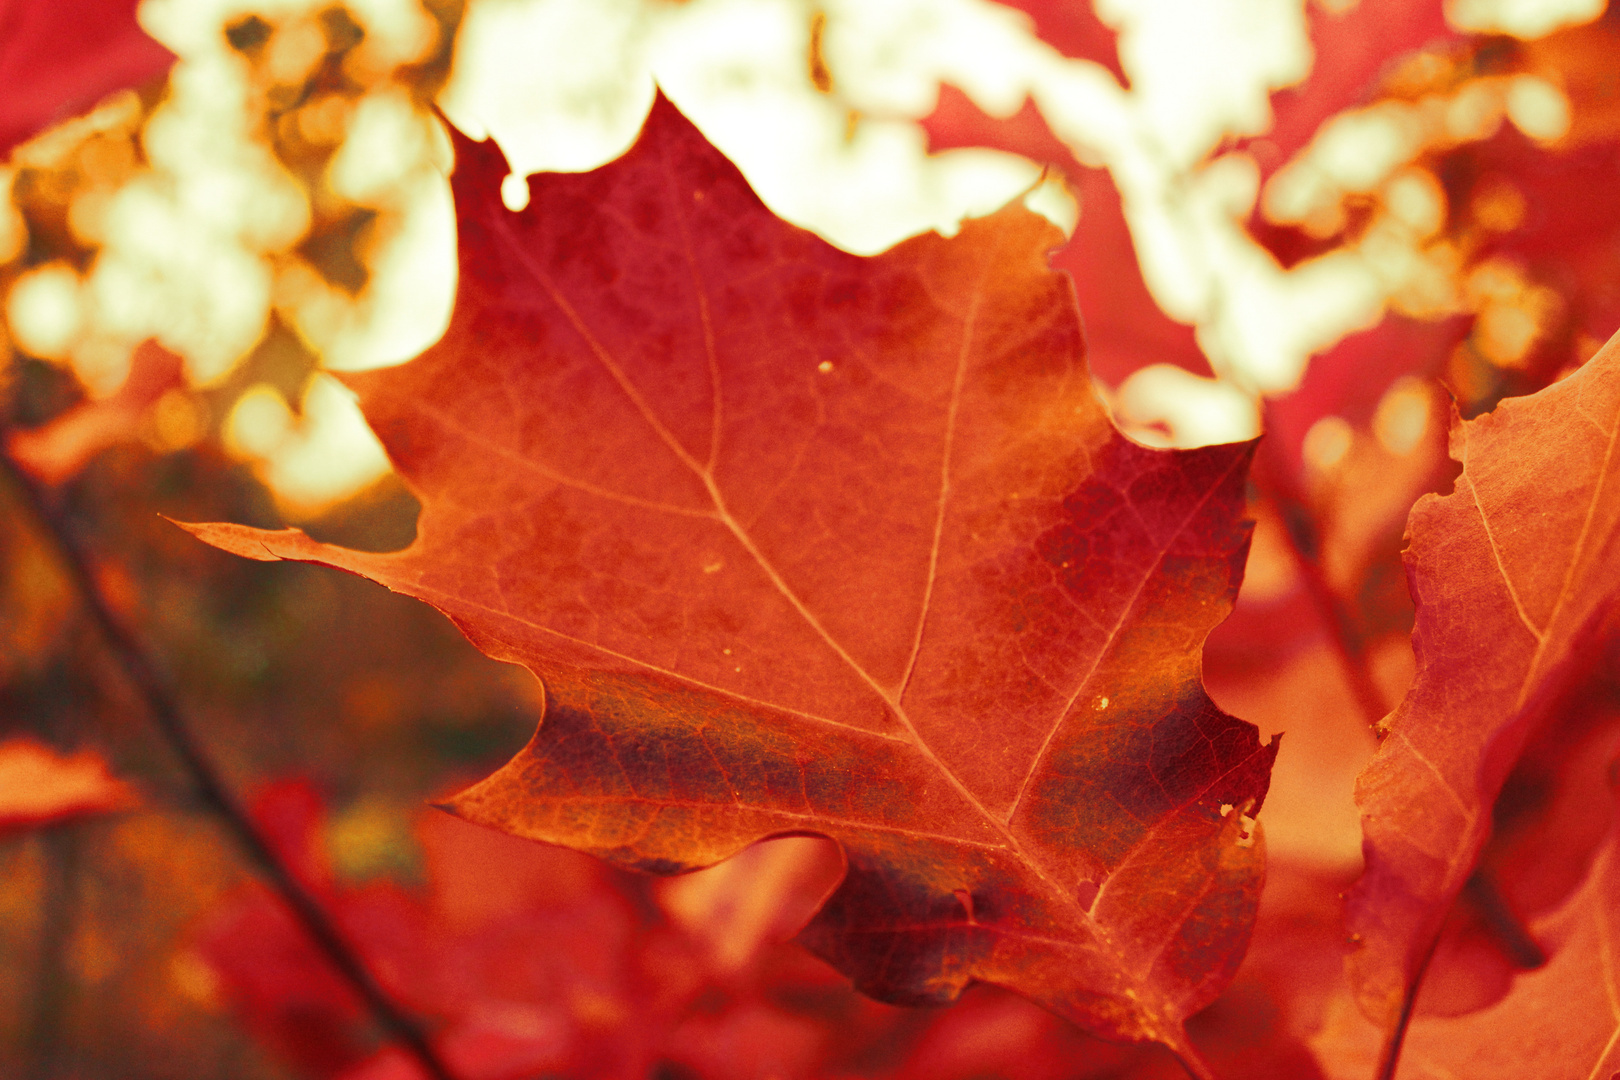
(1496, 552)
(1108, 641)
(448, 601)
(1566, 587)
(704, 472)
(449, 423)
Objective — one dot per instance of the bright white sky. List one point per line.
(564, 84)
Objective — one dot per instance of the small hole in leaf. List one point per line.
(1086, 894)
(515, 192)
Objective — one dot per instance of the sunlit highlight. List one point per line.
(45, 310)
(218, 233)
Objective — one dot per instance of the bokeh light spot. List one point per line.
(45, 310)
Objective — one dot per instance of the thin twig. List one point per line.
(1500, 918)
(1188, 1057)
(164, 706)
(1335, 615)
(1390, 1058)
(1514, 937)
(1276, 483)
(59, 913)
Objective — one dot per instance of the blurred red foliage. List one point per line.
(60, 58)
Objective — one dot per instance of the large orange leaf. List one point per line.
(1516, 576)
(799, 541)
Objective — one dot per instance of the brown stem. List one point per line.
(164, 707)
(1390, 1057)
(59, 914)
(1335, 615)
(1500, 918)
(1191, 1060)
(1276, 483)
(1482, 889)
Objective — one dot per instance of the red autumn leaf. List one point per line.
(1352, 377)
(1563, 1017)
(1515, 577)
(764, 894)
(1554, 812)
(1073, 29)
(1580, 61)
(999, 1035)
(1353, 47)
(1552, 817)
(1356, 49)
(59, 58)
(800, 542)
(526, 957)
(1125, 328)
(282, 988)
(39, 786)
(1566, 238)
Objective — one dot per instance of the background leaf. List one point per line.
(1520, 555)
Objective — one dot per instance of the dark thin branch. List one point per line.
(1514, 937)
(1189, 1058)
(59, 916)
(163, 705)
(1502, 921)
(1390, 1058)
(1274, 479)
(1335, 615)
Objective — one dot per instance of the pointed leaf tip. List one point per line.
(264, 545)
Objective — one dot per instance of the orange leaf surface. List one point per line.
(802, 542)
(39, 786)
(1515, 574)
(1564, 1017)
